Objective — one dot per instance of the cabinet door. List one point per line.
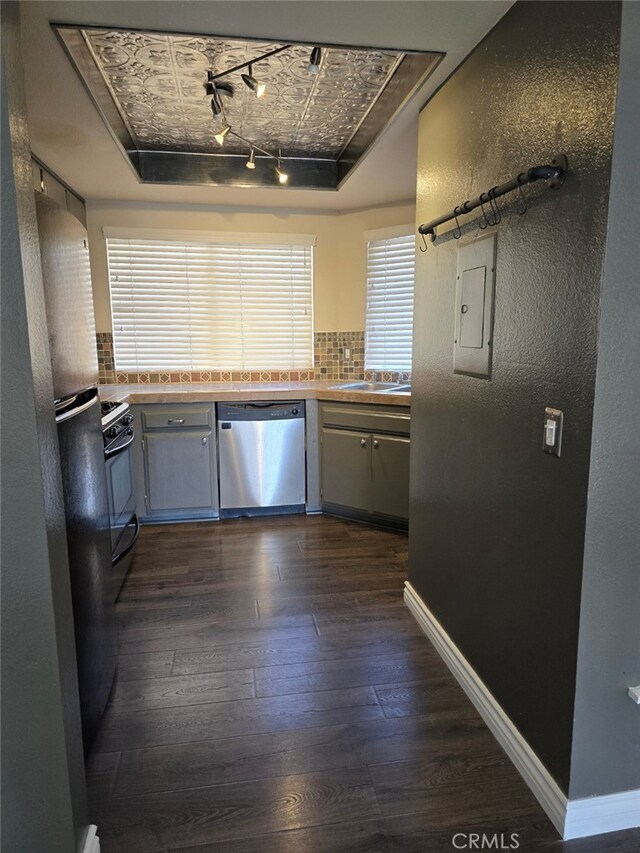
(179, 470)
(390, 475)
(346, 468)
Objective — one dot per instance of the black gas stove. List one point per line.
(116, 420)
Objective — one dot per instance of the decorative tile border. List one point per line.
(330, 365)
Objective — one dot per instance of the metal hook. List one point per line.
(484, 214)
(523, 208)
(455, 215)
(497, 216)
(424, 242)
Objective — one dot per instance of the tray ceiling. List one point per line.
(149, 88)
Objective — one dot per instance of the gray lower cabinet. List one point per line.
(390, 475)
(346, 468)
(179, 470)
(175, 462)
(365, 462)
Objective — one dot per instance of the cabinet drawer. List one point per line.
(177, 417)
(367, 420)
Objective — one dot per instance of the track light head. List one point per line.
(216, 104)
(251, 162)
(283, 178)
(314, 60)
(256, 86)
(221, 134)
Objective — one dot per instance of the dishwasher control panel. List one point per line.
(258, 411)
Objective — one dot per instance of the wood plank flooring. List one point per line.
(275, 696)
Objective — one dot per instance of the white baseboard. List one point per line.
(92, 842)
(608, 813)
(573, 818)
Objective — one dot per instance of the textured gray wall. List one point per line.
(606, 742)
(43, 789)
(497, 526)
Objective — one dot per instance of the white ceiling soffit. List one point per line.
(69, 135)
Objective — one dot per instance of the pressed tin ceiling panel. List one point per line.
(149, 88)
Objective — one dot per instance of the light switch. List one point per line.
(347, 354)
(552, 435)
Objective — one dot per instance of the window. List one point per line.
(389, 320)
(211, 303)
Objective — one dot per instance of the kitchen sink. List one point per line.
(384, 387)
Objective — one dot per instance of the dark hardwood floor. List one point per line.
(275, 696)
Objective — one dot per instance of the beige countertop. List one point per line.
(248, 391)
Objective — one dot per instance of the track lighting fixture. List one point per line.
(221, 134)
(282, 176)
(214, 88)
(256, 86)
(216, 104)
(314, 60)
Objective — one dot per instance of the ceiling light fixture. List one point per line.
(214, 89)
(221, 134)
(314, 60)
(282, 176)
(250, 81)
(216, 104)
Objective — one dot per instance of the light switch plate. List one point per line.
(552, 431)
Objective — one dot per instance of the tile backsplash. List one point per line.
(330, 357)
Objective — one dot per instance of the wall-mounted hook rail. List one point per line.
(554, 173)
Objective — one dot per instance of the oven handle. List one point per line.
(123, 554)
(119, 449)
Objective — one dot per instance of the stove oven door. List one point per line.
(122, 509)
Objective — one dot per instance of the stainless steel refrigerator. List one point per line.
(69, 306)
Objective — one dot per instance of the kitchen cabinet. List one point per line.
(365, 462)
(346, 468)
(390, 475)
(179, 471)
(176, 470)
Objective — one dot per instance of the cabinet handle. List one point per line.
(363, 442)
(175, 421)
(375, 444)
(204, 439)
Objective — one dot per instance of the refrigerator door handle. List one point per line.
(65, 416)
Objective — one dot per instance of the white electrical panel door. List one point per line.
(474, 307)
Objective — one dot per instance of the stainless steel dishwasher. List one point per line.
(261, 449)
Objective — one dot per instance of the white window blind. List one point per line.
(389, 320)
(199, 305)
